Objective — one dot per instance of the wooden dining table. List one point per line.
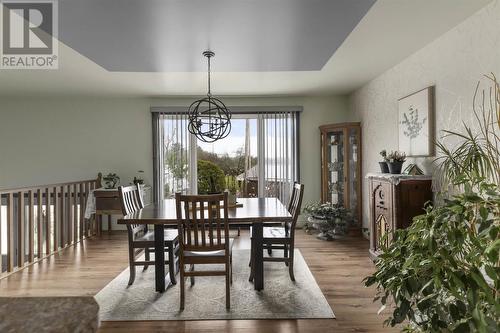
(253, 211)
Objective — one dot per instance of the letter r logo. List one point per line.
(27, 27)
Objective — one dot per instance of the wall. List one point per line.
(454, 63)
(50, 140)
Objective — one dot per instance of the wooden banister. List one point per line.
(37, 221)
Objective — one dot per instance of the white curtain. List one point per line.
(173, 155)
(278, 154)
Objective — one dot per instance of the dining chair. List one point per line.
(141, 239)
(281, 237)
(204, 238)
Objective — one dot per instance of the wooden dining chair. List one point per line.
(282, 237)
(204, 238)
(141, 239)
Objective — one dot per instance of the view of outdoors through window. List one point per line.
(229, 163)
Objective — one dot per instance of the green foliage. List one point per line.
(211, 178)
(442, 273)
(396, 156)
(476, 158)
(231, 166)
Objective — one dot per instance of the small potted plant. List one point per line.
(111, 180)
(139, 179)
(384, 168)
(395, 161)
(231, 194)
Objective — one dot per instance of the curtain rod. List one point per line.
(233, 109)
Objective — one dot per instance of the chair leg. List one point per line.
(252, 256)
(285, 253)
(290, 265)
(192, 277)
(182, 287)
(171, 264)
(228, 289)
(269, 249)
(131, 264)
(146, 256)
(231, 267)
(239, 231)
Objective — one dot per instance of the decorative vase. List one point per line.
(384, 168)
(395, 167)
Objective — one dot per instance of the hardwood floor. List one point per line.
(338, 267)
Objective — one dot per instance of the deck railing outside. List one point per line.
(36, 222)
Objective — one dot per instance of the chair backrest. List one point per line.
(130, 199)
(295, 203)
(202, 222)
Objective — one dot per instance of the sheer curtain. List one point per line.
(278, 154)
(175, 152)
(173, 157)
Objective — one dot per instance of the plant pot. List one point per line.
(395, 167)
(384, 168)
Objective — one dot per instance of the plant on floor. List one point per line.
(442, 274)
(330, 219)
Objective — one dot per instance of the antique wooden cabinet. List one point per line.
(394, 201)
(341, 167)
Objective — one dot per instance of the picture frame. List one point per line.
(416, 123)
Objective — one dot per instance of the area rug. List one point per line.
(280, 299)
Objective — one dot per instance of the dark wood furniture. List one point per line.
(341, 168)
(141, 239)
(107, 202)
(255, 211)
(394, 201)
(204, 238)
(281, 237)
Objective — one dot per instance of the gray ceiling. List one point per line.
(246, 35)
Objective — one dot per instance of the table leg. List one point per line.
(159, 258)
(109, 224)
(258, 278)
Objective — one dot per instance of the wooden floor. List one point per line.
(338, 267)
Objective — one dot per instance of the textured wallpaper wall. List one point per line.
(454, 63)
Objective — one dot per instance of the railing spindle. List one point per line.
(20, 229)
(47, 220)
(39, 229)
(10, 232)
(31, 227)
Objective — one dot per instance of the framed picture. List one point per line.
(416, 123)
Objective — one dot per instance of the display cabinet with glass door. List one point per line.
(341, 168)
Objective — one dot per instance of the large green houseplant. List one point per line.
(442, 274)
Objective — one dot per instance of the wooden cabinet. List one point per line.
(394, 201)
(341, 167)
(107, 202)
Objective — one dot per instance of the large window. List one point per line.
(258, 158)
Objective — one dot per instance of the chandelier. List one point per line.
(209, 118)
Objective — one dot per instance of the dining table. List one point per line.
(249, 211)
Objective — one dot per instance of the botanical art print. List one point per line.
(415, 123)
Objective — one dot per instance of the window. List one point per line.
(258, 158)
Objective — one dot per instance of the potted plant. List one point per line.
(111, 180)
(395, 161)
(231, 195)
(384, 168)
(330, 219)
(139, 180)
(441, 274)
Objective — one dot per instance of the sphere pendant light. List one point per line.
(209, 118)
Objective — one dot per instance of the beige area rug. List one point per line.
(280, 299)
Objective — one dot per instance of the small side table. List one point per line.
(107, 202)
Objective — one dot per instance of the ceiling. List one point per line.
(263, 47)
(247, 36)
